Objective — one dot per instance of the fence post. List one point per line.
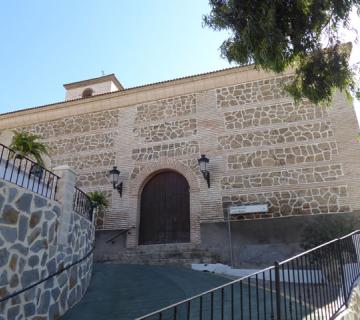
(65, 195)
(277, 290)
(339, 253)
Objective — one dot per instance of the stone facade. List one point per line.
(167, 108)
(29, 252)
(77, 144)
(166, 150)
(276, 157)
(75, 125)
(294, 202)
(279, 113)
(167, 131)
(270, 137)
(250, 92)
(79, 162)
(289, 177)
(262, 147)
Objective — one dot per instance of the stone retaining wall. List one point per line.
(30, 251)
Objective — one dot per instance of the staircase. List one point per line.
(170, 254)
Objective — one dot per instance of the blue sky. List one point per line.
(46, 43)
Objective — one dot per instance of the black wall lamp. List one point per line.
(115, 174)
(203, 163)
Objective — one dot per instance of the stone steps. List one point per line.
(183, 255)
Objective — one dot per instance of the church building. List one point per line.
(204, 160)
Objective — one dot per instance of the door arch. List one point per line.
(165, 209)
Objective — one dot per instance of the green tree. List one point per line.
(302, 34)
(26, 144)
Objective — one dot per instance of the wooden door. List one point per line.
(165, 209)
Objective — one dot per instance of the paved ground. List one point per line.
(124, 292)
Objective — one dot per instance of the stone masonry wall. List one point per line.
(262, 147)
(84, 142)
(167, 131)
(78, 162)
(75, 125)
(271, 136)
(294, 202)
(29, 252)
(279, 113)
(249, 92)
(78, 144)
(167, 108)
(167, 150)
(288, 177)
(299, 154)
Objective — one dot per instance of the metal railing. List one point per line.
(313, 285)
(82, 204)
(26, 173)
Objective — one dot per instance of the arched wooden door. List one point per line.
(165, 209)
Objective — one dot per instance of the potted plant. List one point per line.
(100, 203)
(26, 144)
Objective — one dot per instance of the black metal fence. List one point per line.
(82, 204)
(27, 173)
(313, 285)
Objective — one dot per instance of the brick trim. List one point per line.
(153, 168)
(143, 177)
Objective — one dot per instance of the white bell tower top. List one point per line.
(92, 87)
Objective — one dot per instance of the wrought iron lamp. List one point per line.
(203, 163)
(115, 174)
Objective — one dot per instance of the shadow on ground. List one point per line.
(124, 292)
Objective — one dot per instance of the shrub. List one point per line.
(328, 227)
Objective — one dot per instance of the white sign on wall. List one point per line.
(251, 208)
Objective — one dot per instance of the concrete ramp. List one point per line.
(124, 292)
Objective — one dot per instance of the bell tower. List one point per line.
(92, 87)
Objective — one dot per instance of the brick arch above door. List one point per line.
(166, 164)
(144, 176)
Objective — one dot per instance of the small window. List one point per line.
(87, 93)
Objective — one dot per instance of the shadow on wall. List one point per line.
(259, 243)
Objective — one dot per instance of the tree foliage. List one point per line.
(26, 144)
(302, 34)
